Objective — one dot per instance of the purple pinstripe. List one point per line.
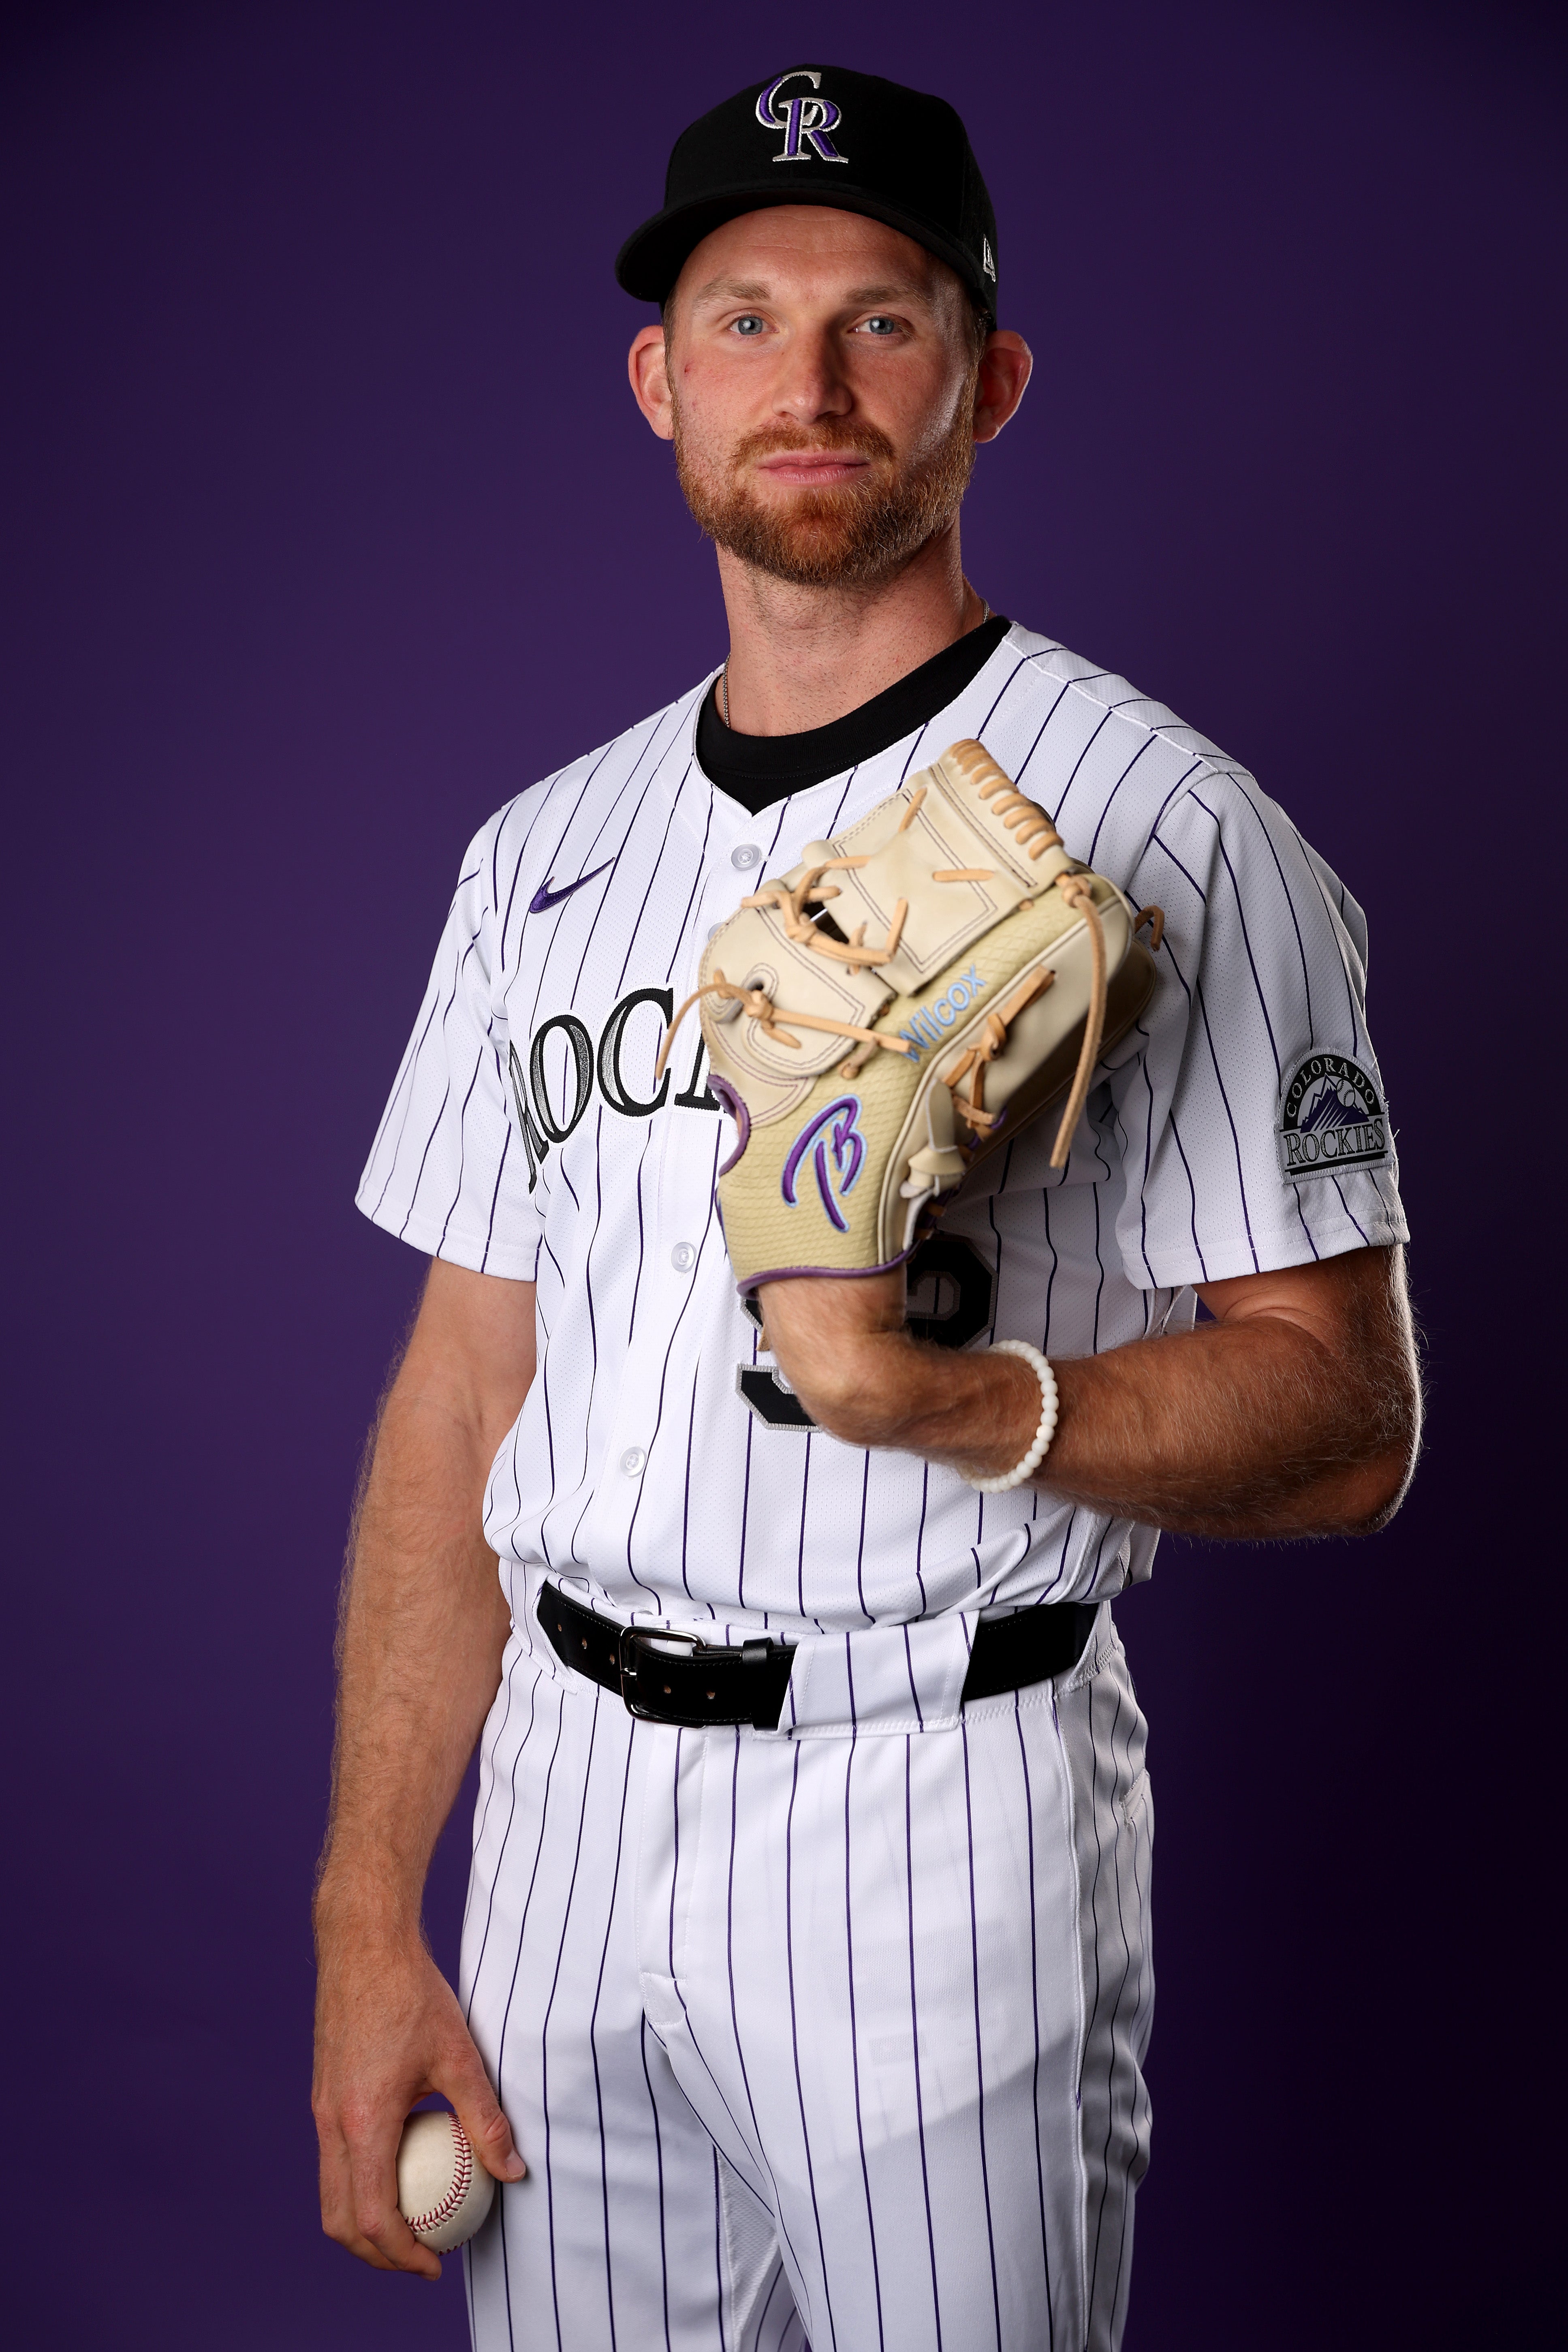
(795, 2033)
(915, 2036)
(979, 2050)
(854, 2031)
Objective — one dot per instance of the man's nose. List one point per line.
(811, 380)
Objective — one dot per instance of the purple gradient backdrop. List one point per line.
(330, 524)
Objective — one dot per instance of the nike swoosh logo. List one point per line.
(544, 898)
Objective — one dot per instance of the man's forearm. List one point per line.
(1227, 1431)
(424, 1628)
(1296, 1413)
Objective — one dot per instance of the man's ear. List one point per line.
(1006, 365)
(646, 366)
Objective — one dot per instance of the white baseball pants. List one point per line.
(825, 2042)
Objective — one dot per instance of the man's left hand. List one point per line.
(843, 1349)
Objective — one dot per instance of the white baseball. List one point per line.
(444, 2192)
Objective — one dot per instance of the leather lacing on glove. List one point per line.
(1034, 834)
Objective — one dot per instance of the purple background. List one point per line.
(329, 524)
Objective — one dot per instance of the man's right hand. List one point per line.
(389, 2031)
(425, 1630)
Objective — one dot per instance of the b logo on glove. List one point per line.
(846, 1142)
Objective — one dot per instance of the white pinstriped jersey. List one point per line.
(1240, 1125)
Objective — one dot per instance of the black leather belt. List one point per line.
(674, 1678)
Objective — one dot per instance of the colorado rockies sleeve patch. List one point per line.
(1331, 1118)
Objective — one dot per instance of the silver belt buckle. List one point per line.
(639, 1652)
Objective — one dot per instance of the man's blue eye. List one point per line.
(879, 326)
(749, 325)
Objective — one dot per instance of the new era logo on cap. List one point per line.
(804, 119)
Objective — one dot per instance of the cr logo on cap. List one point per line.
(803, 118)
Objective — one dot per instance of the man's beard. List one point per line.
(851, 536)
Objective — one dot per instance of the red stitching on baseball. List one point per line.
(463, 2159)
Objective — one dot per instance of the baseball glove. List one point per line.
(904, 1000)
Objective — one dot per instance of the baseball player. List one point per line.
(806, 1966)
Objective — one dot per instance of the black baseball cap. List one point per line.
(822, 135)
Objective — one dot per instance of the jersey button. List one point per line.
(746, 856)
(632, 1460)
(683, 1258)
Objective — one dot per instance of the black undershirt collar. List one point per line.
(756, 770)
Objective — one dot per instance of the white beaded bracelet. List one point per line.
(1048, 1405)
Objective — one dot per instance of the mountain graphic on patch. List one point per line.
(1331, 1109)
(1331, 1118)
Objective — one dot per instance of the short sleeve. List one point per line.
(447, 1171)
(1254, 1124)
